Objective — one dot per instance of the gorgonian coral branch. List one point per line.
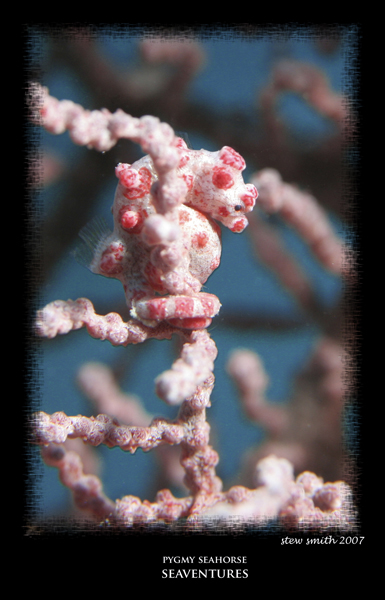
(272, 252)
(304, 502)
(190, 430)
(61, 317)
(98, 384)
(103, 429)
(191, 369)
(311, 84)
(247, 371)
(87, 490)
(301, 211)
(101, 129)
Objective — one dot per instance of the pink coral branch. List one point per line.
(186, 54)
(306, 433)
(103, 429)
(60, 317)
(99, 385)
(191, 369)
(313, 504)
(272, 253)
(304, 502)
(86, 489)
(247, 371)
(190, 430)
(310, 83)
(101, 129)
(166, 508)
(97, 382)
(303, 213)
